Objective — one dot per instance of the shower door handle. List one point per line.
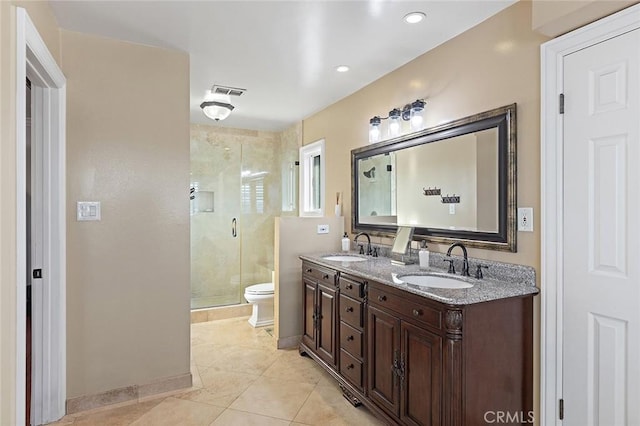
(234, 228)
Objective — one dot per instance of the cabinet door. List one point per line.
(308, 314)
(421, 378)
(326, 329)
(384, 358)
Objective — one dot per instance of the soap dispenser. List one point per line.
(346, 243)
(423, 255)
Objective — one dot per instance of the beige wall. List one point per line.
(43, 19)
(557, 17)
(128, 275)
(295, 236)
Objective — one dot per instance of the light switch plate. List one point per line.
(323, 229)
(452, 209)
(88, 210)
(525, 219)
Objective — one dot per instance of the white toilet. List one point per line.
(261, 297)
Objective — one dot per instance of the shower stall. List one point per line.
(240, 181)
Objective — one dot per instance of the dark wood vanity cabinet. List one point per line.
(405, 361)
(351, 334)
(435, 364)
(415, 361)
(319, 307)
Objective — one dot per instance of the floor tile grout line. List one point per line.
(257, 414)
(305, 401)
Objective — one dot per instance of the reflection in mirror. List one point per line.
(391, 189)
(402, 240)
(377, 189)
(455, 181)
(401, 244)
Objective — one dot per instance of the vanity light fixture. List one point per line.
(412, 112)
(217, 102)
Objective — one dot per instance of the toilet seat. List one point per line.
(260, 289)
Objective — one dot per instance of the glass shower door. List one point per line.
(216, 180)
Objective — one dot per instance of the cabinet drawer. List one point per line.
(351, 368)
(351, 339)
(323, 275)
(351, 311)
(408, 307)
(351, 288)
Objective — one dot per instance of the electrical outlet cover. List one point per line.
(525, 219)
(323, 229)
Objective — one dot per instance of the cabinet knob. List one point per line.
(349, 338)
(309, 270)
(350, 366)
(382, 298)
(417, 312)
(348, 286)
(326, 276)
(349, 309)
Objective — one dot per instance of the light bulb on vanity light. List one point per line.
(417, 115)
(395, 122)
(374, 129)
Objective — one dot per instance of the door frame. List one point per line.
(551, 151)
(48, 94)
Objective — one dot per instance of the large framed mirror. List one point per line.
(456, 181)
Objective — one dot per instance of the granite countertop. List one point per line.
(501, 280)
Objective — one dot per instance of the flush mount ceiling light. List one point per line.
(342, 68)
(414, 17)
(217, 103)
(218, 109)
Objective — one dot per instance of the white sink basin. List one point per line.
(345, 258)
(433, 281)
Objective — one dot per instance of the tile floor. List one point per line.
(239, 378)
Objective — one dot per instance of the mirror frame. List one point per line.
(504, 119)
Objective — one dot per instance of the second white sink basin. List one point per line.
(434, 281)
(345, 258)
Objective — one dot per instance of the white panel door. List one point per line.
(601, 195)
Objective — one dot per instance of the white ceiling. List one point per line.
(283, 52)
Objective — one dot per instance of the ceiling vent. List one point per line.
(225, 90)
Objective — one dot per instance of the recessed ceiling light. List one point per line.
(414, 17)
(342, 68)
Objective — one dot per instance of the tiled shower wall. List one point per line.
(249, 175)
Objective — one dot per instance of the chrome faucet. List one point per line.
(465, 261)
(369, 250)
